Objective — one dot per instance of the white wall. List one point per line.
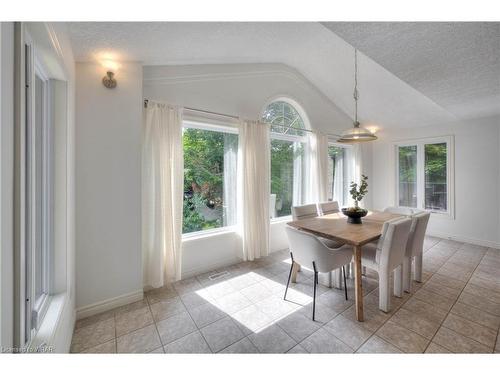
(242, 90)
(108, 185)
(477, 189)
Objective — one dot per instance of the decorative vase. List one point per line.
(354, 216)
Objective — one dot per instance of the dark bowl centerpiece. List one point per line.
(354, 214)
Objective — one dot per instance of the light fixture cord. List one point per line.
(356, 96)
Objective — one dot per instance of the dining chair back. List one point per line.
(387, 256)
(306, 211)
(327, 208)
(415, 249)
(400, 210)
(392, 243)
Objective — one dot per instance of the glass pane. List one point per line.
(281, 116)
(408, 176)
(435, 177)
(282, 178)
(209, 179)
(337, 175)
(39, 259)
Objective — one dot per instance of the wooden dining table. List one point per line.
(335, 227)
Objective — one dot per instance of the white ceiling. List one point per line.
(456, 64)
(320, 55)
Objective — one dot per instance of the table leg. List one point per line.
(357, 283)
(295, 270)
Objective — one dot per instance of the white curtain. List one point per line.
(317, 190)
(254, 188)
(230, 176)
(354, 170)
(358, 167)
(162, 193)
(297, 181)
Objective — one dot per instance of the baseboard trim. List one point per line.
(109, 304)
(472, 241)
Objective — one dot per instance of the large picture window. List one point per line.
(424, 174)
(288, 160)
(210, 161)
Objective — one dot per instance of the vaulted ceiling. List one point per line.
(456, 64)
(409, 74)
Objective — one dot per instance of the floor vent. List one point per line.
(218, 275)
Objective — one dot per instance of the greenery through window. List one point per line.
(435, 177)
(408, 176)
(209, 179)
(287, 157)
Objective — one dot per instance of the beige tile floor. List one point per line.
(455, 310)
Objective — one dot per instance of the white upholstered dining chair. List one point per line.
(407, 211)
(308, 211)
(307, 250)
(386, 256)
(327, 208)
(415, 249)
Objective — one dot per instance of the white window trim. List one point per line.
(40, 306)
(281, 219)
(450, 172)
(190, 124)
(201, 124)
(208, 233)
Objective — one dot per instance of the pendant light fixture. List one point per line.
(357, 133)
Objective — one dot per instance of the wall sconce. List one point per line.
(109, 80)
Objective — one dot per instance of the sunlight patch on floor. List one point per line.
(259, 315)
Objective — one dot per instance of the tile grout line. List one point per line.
(446, 316)
(412, 295)
(322, 325)
(461, 291)
(198, 329)
(401, 306)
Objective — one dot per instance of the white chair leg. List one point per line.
(384, 297)
(407, 274)
(418, 268)
(398, 281)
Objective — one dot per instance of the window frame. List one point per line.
(420, 143)
(36, 309)
(208, 124)
(288, 138)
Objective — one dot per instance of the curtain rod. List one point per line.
(237, 118)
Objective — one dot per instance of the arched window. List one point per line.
(288, 146)
(283, 118)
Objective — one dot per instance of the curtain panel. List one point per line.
(254, 188)
(162, 194)
(317, 187)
